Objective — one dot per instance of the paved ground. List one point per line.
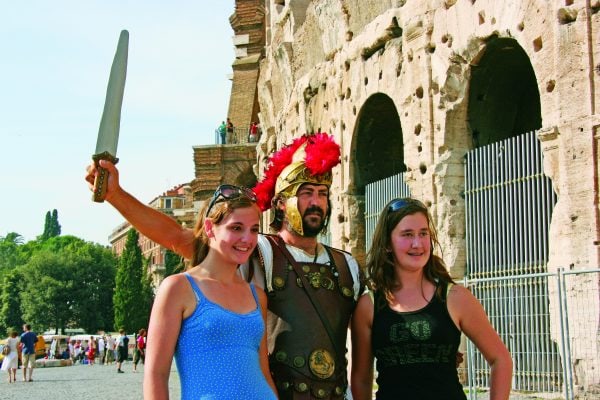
(97, 382)
(102, 382)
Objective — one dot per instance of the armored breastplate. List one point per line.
(304, 361)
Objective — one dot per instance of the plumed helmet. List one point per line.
(308, 159)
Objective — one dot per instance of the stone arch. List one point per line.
(377, 152)
(377, 148)
(504, 100)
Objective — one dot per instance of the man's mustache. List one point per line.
(314, 210)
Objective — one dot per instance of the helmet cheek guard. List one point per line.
(293, 216)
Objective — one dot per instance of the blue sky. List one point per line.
(55, 62)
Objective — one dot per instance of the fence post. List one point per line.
(567, 334)
(563, 336)
(470, 360)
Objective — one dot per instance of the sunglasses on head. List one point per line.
(399, 204)
(230, 192)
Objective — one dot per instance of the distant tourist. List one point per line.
(140, 349)
(122, 346)
(222, 132)
(110, 349)
(101, 348)
(91, 351)
(10, 362)
(253, 133)
(230, 135)
(28, 340)
(66, 354)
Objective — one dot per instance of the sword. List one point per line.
(108, 133)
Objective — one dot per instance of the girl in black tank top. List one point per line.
(413, 322)
(419, 346)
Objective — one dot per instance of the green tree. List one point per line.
(10, 305)
(173, 263)
(54, 225)
(51, 226)
(147, 295)
(47, 223)
(13, 238)
(128, 286)
(94, 286)
(68, 283)
(10, 252)
(46, 299)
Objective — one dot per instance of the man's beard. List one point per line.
(311, 230)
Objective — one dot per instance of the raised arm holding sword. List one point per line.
(194, 313)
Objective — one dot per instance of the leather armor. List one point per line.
(303, 360)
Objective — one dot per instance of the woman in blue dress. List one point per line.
(208, 317)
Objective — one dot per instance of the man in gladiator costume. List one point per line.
(312, 288)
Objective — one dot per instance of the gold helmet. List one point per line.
(309, 159)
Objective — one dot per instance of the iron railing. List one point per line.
(555, 350)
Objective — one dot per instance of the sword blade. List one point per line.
(108, 133)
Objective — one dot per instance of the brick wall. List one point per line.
(248, 26)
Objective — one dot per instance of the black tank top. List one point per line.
(416, 352)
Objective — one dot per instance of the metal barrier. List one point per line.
(377, 195)
(549, 322)
(240, 135)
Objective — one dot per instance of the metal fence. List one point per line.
(553, 339)
(377, 195)
(240, 135)
(508, 207)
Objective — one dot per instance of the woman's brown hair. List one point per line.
(380, 260)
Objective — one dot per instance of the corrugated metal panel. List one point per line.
(377, 195)
(509, 202)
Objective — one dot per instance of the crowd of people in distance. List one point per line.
(103, 349)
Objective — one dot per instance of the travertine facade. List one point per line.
(408, 85)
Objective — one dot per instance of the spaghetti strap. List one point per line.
(195, 288)
(255, 295)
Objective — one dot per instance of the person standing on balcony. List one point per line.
(253, 133)
(222, 130)
(230, 132)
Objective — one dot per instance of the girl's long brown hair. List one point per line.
(380, 260)
(217, 213)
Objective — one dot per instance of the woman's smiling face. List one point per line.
(411, 242)
(236, 236)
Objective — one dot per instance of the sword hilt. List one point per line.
(101, 179)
